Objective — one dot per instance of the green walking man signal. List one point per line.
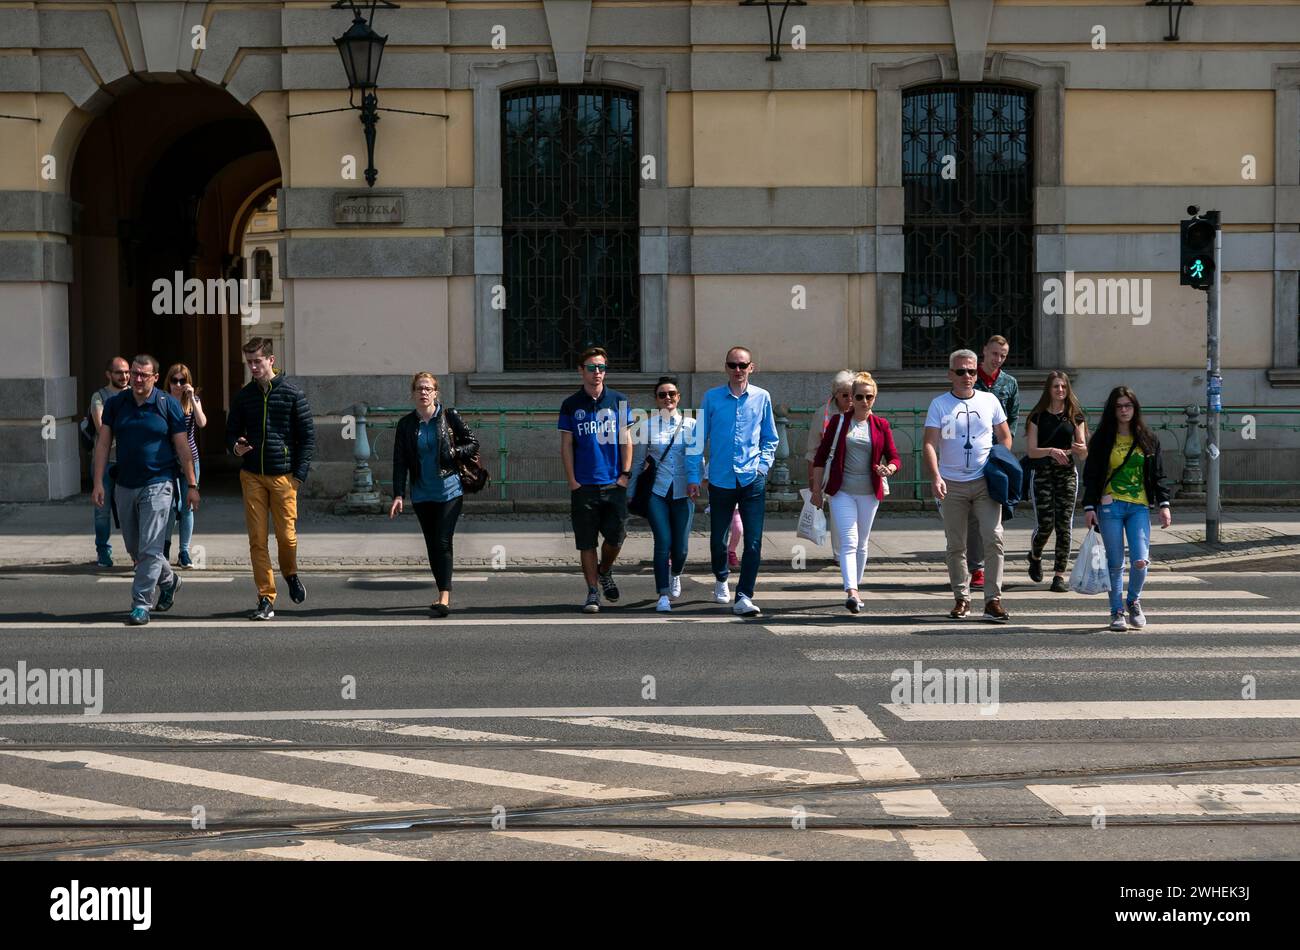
(1196, 249)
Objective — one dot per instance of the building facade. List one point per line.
(907, 178)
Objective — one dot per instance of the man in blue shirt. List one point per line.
(596, 451)
(737, 424)
(152, 449)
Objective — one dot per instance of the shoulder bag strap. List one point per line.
(826, 472)
(1121, 465)
(664, 454)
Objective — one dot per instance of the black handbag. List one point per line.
(639, 503)
(473, 476)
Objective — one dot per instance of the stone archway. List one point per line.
(158, 181)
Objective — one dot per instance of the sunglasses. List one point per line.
(595, 367)
(731, 365)
(178, 380)
(963, 372)
(667, 395)
(139, 375)
(863, 397)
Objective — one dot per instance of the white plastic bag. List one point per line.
(812, 520)
(1091, 574)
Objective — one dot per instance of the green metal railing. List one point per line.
(908, 424)
(1158, 418)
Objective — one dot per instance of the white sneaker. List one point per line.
(675, 587)
(663, 606)
(745, 607)
(721, 594)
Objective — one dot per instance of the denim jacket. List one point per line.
(653, 436)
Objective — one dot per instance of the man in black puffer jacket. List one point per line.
(270, 427)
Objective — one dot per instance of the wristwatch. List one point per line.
(193, 487)
(627, 474)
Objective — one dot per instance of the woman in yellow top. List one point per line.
(1122, 480)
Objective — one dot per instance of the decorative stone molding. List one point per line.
(487, 80)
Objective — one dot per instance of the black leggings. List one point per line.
(438, 522)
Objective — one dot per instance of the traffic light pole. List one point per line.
(1214, 394)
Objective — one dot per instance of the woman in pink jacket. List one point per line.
(859, 447)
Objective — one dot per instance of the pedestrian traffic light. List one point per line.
(1196, 249)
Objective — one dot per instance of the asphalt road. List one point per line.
(633, 734)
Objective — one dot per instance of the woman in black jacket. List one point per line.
(1122, 480)
(430, 441)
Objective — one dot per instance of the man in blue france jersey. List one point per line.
(596, 450)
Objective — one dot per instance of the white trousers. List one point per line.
(854, 515)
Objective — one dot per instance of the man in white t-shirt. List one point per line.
(959, 432)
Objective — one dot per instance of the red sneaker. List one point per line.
(977, 580)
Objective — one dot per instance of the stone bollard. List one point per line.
(779, 482)
(363, 497)
(1192, 484)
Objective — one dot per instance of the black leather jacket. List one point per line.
(406, 447)
(1095, 472)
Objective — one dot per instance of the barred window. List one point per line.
(968, 221)
(570, 226)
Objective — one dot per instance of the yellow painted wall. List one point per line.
(756, 311)
(681, 135)
(1175, 337)
(776, 139)
(23, 144)
(1167, 137)
(411, 151)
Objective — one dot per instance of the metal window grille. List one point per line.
(570, 226)
(968, 221)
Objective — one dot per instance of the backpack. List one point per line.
(86, 429)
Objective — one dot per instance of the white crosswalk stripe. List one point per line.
(80, 809)
(224, 781)
(1201, 800)
(632, 846)
(1105, 710)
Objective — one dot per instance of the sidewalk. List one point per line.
(59, 534)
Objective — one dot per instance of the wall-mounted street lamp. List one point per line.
(362, 51)
(774, 32)
(1175, 13)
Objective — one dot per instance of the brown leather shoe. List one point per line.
(960, 609)
(994, 613)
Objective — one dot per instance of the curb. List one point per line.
(1207, 560)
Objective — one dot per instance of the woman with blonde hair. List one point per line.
(840, 402)
(180, 386)
(859, 447)
(430, 442)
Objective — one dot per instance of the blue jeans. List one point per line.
(670, 522)
(104, 519)
(187, 516)
(751, 499)
(1117, 519)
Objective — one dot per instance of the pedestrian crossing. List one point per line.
(679, 771)
(801, 781)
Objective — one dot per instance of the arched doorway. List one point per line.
(165, 179)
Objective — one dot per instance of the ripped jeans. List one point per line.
(1116, 520)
